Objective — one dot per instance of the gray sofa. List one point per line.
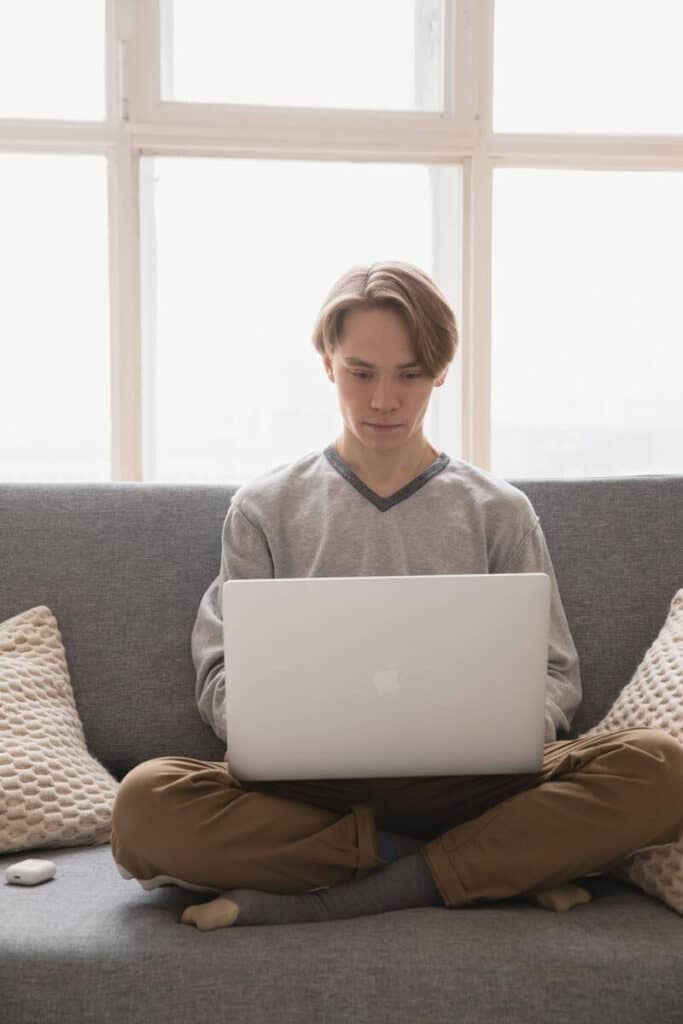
(123, 567)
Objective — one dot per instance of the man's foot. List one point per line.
(562, 897)
(407, 882)
(218, 913)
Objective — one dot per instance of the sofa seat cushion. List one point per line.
(90, 945)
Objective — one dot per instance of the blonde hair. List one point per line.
(403, 288)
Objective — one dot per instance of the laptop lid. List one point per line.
(379, 676)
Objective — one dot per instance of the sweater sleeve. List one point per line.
(244, 555)
(563, 690)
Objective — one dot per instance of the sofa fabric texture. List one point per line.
(122, 567)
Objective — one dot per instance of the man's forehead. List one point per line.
(356, 361)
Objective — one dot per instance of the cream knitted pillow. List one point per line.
(52, 791)
(654, 700)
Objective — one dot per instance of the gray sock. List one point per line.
(391, 845)
(405, 882)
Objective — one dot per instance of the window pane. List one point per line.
(54, 318)
(52, 62)
(587, 332)
(238, 258)
(605, 66)
(383, 54)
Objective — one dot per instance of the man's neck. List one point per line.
(386, 474)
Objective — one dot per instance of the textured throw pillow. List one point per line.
(654, 700)
(53, 793)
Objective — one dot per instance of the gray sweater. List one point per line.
(315, 517)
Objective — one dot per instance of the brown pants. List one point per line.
(487, 837)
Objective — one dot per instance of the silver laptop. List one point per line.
(377, 676)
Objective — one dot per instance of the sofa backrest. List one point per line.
(123, 567)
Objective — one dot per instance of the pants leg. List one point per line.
(599, 799)
(193, 821)
(487, 837)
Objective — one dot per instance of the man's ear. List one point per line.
(439, 381)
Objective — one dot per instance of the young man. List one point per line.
(383, 501)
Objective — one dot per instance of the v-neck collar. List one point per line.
(378, 500)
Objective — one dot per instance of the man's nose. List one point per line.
(385, 393)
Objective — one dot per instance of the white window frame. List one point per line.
(138, 123)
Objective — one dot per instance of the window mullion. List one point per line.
(126, 339)
(477, 242)
(124, 256)
(143, 34)
(476, 326)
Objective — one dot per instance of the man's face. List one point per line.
(386, 392)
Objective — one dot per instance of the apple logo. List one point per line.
(385, 680)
